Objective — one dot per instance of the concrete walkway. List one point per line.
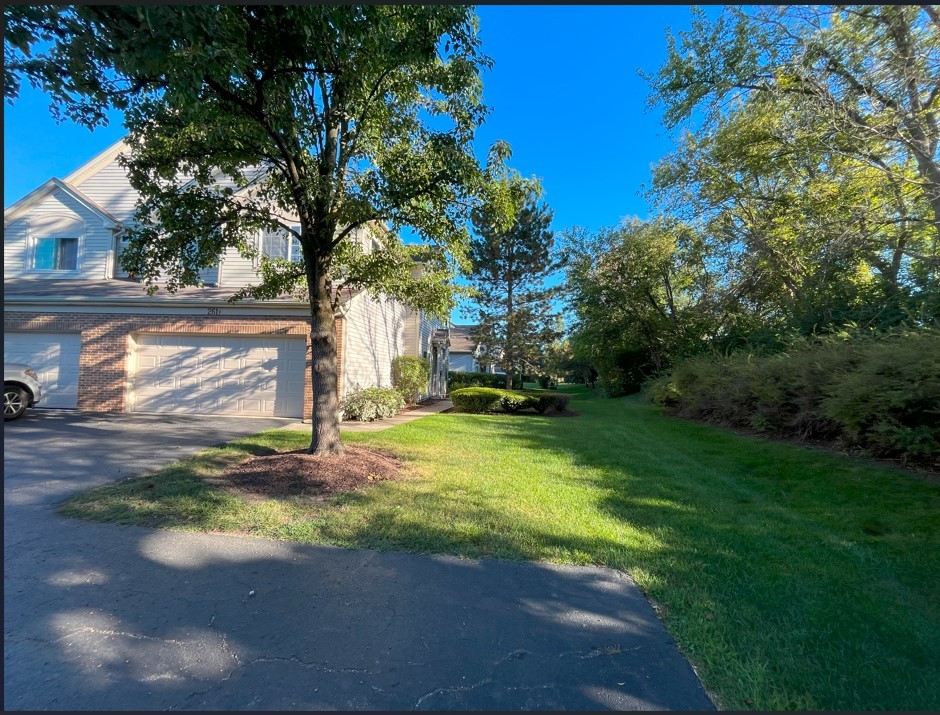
(429, 408)
(107, 617)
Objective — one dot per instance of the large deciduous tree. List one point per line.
(811, 166)
(509, 267)
(643, 294)
(333, 118)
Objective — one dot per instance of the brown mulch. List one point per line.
(299, 474)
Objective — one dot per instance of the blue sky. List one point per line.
(565, 93)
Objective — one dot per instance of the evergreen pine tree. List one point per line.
(513, 305)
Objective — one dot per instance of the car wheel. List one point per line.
(15, 402)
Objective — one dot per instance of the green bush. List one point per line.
(410, 376)
(372, 403)
(457, 380)
(544, 400)
(879, 394)
(891, 402)
(489, 399)
(477, 399)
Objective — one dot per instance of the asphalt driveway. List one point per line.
(99, 616)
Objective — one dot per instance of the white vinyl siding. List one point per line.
(110, 189)
(219, 375)
(374, 336)
(54, 357)
(462, 362)
(237, 271)
(58, 215)
(15, 239)
(411, 333)
(426, 328)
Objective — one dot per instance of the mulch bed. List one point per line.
(299, 474)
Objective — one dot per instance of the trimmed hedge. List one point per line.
(457, 380)
(372, 403)
(882, 395)
(489, 399)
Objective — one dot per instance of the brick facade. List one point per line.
(106, 345)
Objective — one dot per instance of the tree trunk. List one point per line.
(325, 438)
(510, 337)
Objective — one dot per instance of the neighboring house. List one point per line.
(99, 343)
(465, 351)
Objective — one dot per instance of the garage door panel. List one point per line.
(54, 357)
(249, 376)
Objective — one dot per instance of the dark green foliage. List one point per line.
(488, 399)
(891, 403)
(544, 400)
(341, 118)
(372, 403)
(882, 395)
(478, 399)
(456, 380)
(513, 305)
(803, 196)
(410, 376)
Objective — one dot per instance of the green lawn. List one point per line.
(792, 578)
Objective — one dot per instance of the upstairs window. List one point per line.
(281, 244)
(56, 254)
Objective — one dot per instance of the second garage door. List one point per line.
(54, 357)
(219, 375)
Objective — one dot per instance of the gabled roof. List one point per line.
(96, 164)
(20, 207)
(461, 340)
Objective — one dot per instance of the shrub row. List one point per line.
(489, 399)
(457, 380)
(882, 395)
(372, 403)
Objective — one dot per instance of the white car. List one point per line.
(21, 389)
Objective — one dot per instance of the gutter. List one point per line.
(136, 302)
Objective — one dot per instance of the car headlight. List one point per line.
(32, 373)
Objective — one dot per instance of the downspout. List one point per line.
(341, 311)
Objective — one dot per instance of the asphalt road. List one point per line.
(99, 616)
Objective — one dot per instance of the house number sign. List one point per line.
(215, 311)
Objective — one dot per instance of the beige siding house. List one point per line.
(99, 343)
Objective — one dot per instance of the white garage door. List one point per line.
(219, 375)
(54, 357)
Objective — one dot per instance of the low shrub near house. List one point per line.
(457, 380)
(882, 395)
(477, 399)
(489, 399)
(372, 403)
(410, 376)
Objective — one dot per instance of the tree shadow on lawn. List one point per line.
(797, 571)
(757, 551)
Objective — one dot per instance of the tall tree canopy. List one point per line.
(509, 268)
(330, 117)
(642, 295)
(803, 194)
(816, 153)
